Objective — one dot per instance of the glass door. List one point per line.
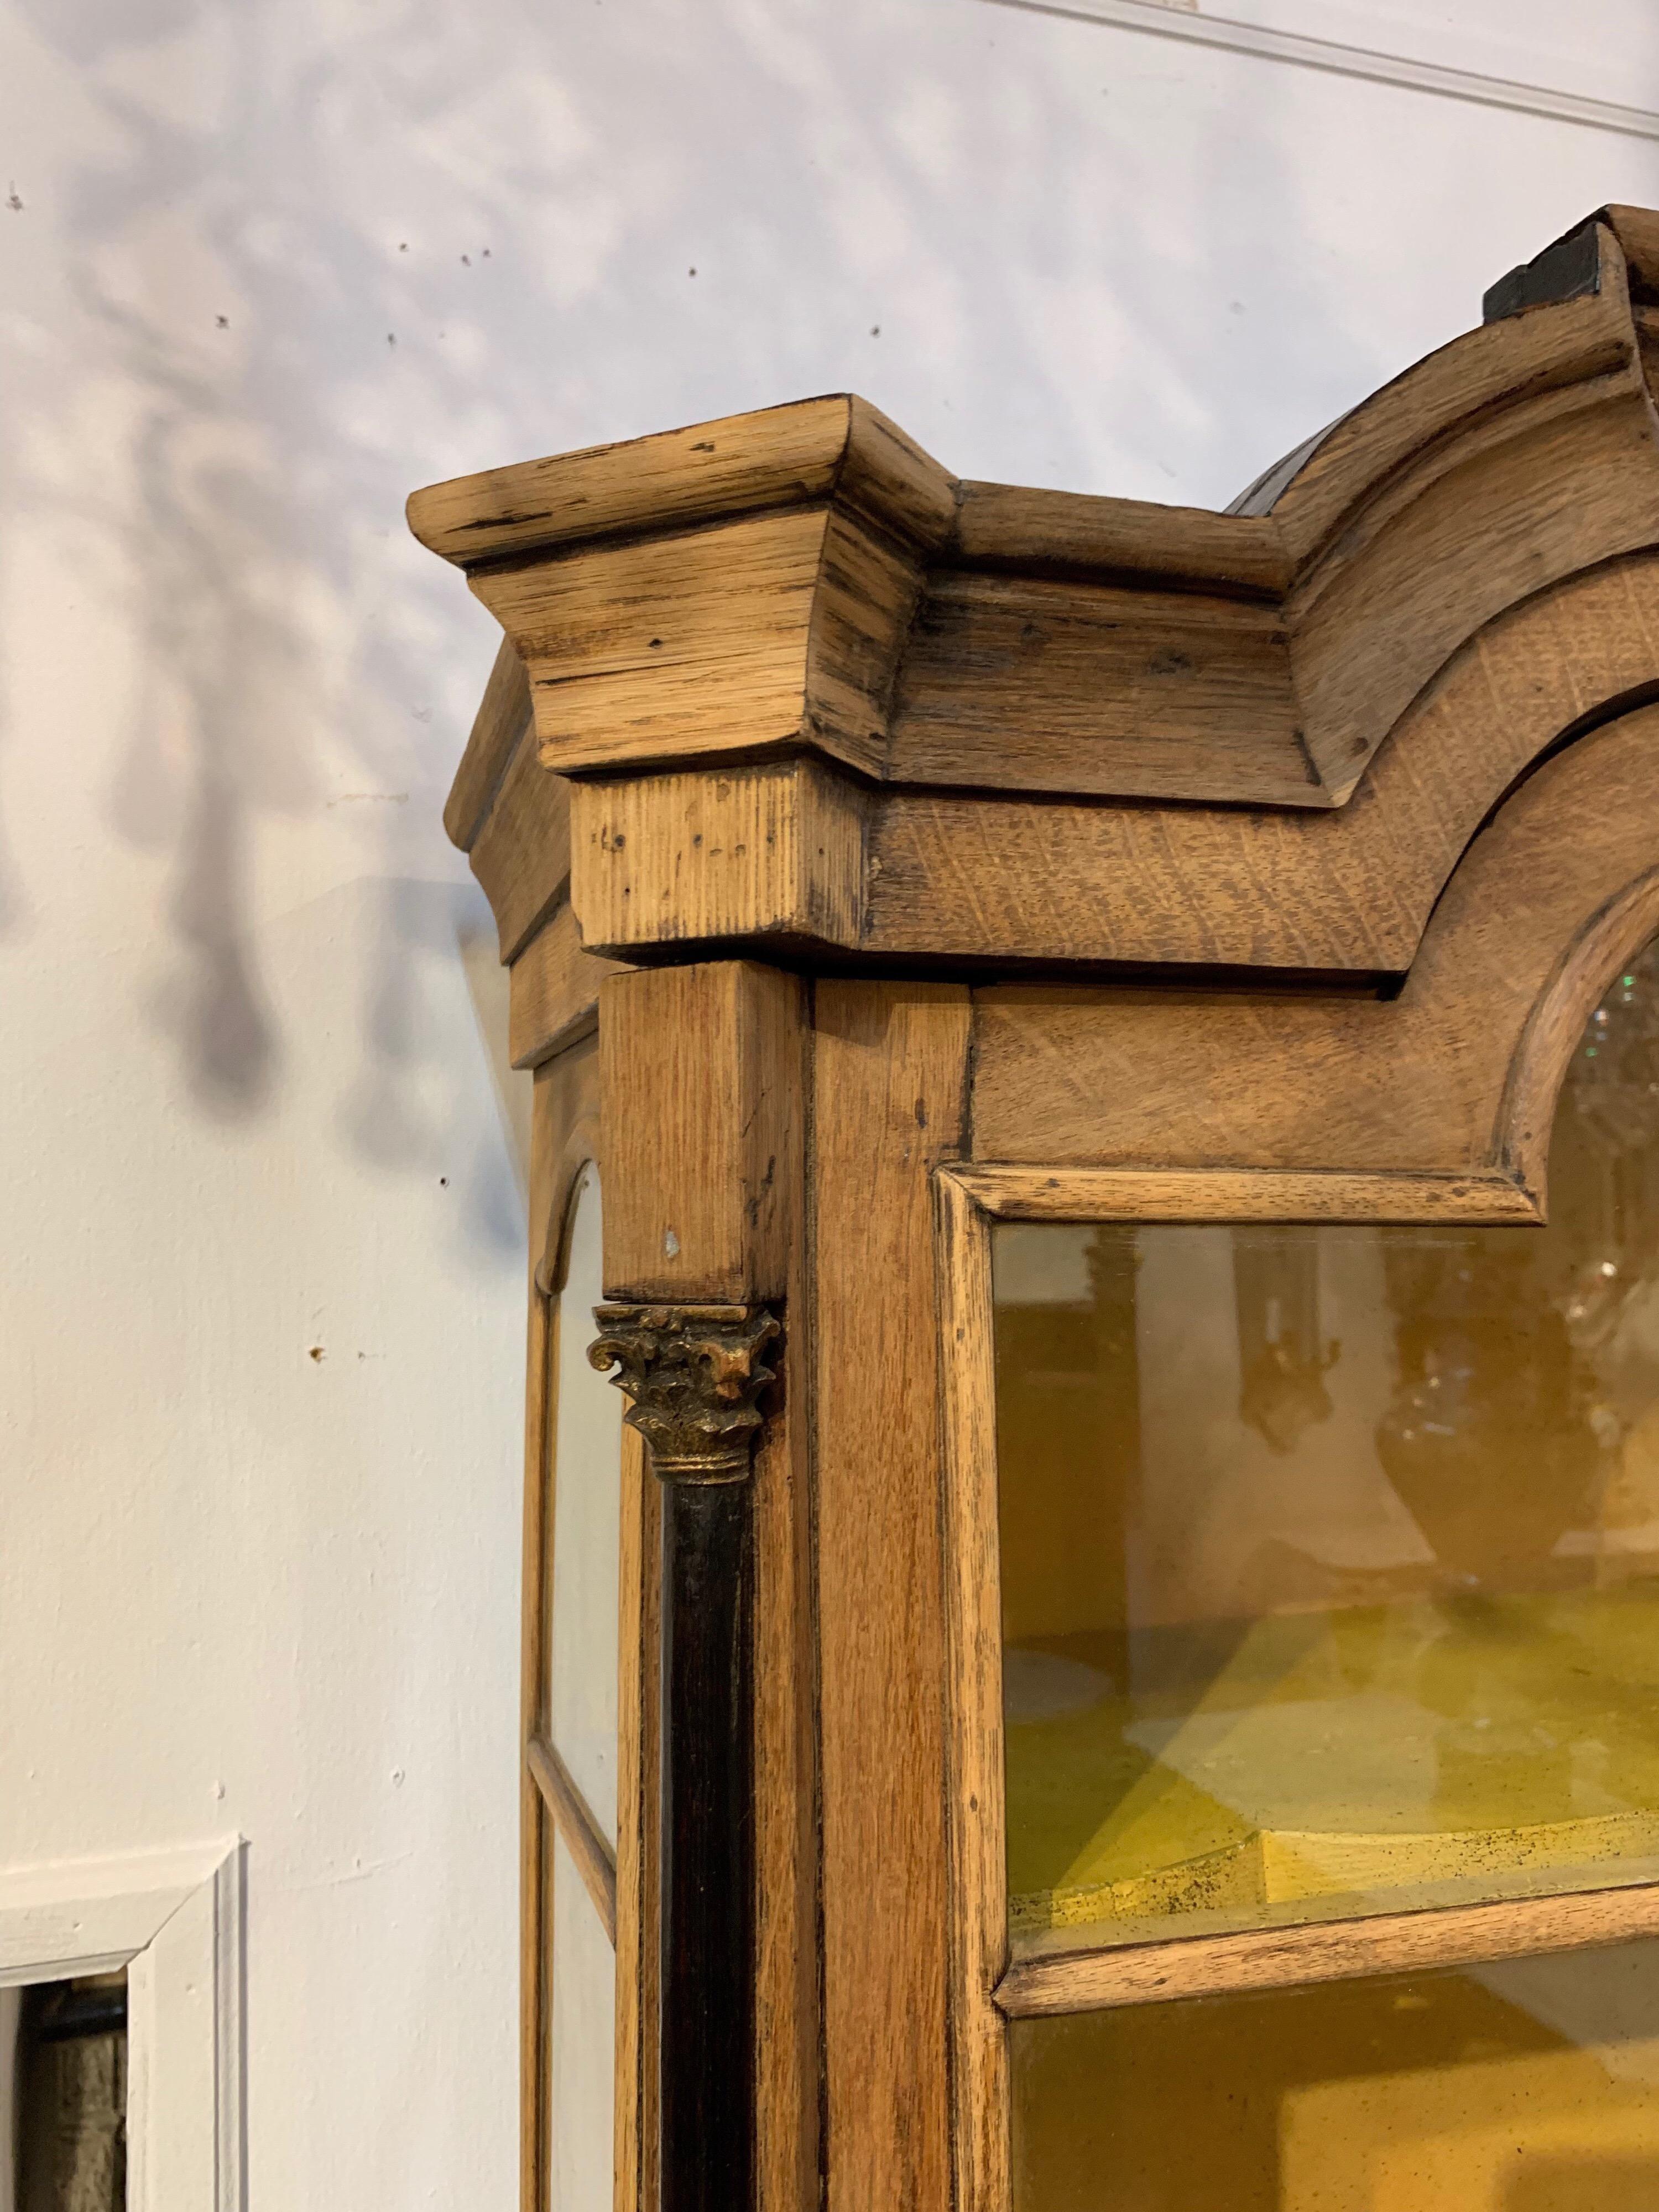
(1329, 1565)
(574, 1745)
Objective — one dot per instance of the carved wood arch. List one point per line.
(807, 694)
(580, 1150)
(1455, 1075)
(1350, 890)
(807, 579)
(1526, 1113)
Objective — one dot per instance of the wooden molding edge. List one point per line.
(1436, 1101)
(797, 857)
(975, 1797)
(805, 579)
(504, 714)
(555, 991)
(1450, 1078)
(806, 450)
(1224, 1193)
(1039, 1986)
(592, 1855)
(1525, 1109)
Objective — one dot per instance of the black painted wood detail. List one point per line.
(1569, 270)
(707, 1854)
(694, 1374)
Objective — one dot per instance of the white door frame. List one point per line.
(174, 1921)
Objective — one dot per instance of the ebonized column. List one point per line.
(694, 1374)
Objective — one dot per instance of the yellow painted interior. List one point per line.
(1532, 2086)
(1363, 1753)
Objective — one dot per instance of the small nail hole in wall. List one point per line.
(671, 1244)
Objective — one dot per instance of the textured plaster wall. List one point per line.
(266, 264)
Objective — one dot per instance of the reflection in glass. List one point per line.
(1331, 1556)
(581, 2047)
(587, 1528)
(1529, 2086)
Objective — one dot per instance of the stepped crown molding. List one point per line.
(801, 678)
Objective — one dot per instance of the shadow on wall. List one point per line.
(315, 265)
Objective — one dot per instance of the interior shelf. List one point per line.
(1433, 1750)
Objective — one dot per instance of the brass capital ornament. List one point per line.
(694, 1374)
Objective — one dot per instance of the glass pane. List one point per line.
(1530, 2086)
(587, 1529)
(581, 2048)
(1331, 1556)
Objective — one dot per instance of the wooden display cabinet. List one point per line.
(1099, 1064)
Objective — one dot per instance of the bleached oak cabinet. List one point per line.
(1099, 1065)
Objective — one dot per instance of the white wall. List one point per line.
(275, 262)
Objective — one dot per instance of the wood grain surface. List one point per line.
(795, 853)
(704, 1075)
(1350, 889)
(1036, 684)
(1221, 1193)
(889, 1082)
(1454, 1075)
(1325, 1951)
(555, 990)
(521, 852)
(504, 716)
(812, 450)
(662, 647)
(776, 852)
(1561, 481)
(973, 1690)
(703, 1067)
(786, 1792)
(1002, 527)
(751, 587)
(593, 1858)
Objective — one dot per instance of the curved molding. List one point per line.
(795, 853)
(567, 1105)
(1456, 1077)
(581, 1151)
(1059, 657)
(1526, 1111)
(806, 580)
(809, 694)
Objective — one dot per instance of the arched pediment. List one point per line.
(1345, 890)
(1454, 1077)
(810, 691)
